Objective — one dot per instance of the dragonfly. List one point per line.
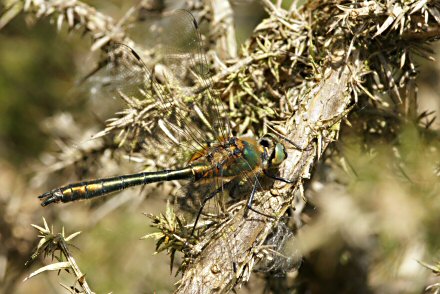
(216, 158)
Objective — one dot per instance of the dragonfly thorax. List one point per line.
(237, 155)
(229, 158)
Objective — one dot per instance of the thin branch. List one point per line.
(78, 15)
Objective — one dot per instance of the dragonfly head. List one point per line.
(274, 151)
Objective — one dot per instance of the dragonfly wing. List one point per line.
(174, 97)
(184, 55)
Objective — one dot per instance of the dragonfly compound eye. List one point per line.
(266, 142)
(279, 154)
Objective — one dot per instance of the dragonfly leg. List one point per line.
(297, 147)
(205, 200)
(279, 178)
(251, 200)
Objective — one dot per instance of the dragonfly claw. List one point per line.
(53, 196)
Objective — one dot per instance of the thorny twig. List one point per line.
(49, 244)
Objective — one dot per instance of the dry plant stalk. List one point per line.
(303, 70)
(50, 243)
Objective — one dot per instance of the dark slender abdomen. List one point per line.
(96, 188)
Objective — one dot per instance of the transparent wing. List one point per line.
(183, 54)
(176, 102)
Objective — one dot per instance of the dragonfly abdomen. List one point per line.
(100, 187)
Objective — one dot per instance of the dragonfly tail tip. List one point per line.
(48, 198)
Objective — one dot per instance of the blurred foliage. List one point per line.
(29, 94)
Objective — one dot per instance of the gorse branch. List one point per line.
(51, 243)
(79, 16)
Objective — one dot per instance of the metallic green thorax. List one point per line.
(248, 160)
